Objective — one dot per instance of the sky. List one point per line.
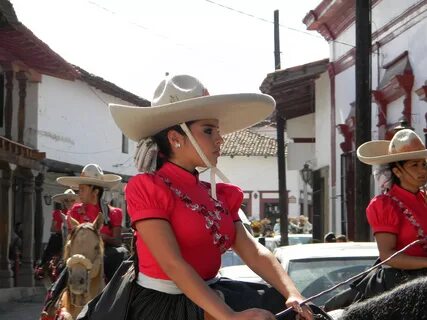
(227, 44)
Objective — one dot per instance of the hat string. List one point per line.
(214, 170)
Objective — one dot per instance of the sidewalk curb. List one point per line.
(17, 293)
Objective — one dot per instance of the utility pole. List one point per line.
(281, 159)
(363, 115)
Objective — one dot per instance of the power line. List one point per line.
(271, 22)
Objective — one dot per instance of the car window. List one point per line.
(295, 239)
(312, 276)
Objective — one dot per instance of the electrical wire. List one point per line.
(272, 22)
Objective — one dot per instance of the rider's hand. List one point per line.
(304, 312)
(253, 314)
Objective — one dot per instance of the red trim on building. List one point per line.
(396, 85)
(348, 59)
(422, 92)
(330, 18)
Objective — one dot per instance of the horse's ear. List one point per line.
(99, 222)
(72, 223)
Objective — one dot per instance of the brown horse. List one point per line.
(83, 253)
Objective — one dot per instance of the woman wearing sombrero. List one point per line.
(92, 183)
(183, 224)
(399, 215)
(62, 203)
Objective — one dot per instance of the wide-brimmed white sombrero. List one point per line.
(92, 174)
(405, 145)
(68, 194)
(182, 98)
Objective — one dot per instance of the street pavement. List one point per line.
(27, 308)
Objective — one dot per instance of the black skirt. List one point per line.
(150, 304)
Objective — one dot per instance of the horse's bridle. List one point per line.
(79, 259)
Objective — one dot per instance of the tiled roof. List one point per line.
(248, 143)
(110, 88)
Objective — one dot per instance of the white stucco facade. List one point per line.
(397, 26)
(258, 178)
(75, 126)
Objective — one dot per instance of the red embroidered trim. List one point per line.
(211, 217)
(410, 217)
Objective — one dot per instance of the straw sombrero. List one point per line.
(68, 194)
(92, 174)
(183, 98)
(405, 145)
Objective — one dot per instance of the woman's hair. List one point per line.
(394, 178)
(58, 206)
(162, 141)
(100, 192)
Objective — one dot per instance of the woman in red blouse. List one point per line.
(399, 215)
(62, 203)
(184, 224)
(92, 184)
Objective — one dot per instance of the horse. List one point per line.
(83, 254)
(407, 301)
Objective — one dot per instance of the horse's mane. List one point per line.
(407, 301)
(72, 235)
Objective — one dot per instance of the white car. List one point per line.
(272, 243)
(316, 267)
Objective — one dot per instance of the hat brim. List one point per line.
(376, 153)
(233, 111)
(107, 181)
(62, 196)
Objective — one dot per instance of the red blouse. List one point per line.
(57, 219)
(88, 213)
(148, 197)
(384, 215)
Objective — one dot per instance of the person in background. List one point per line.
(398, 216)
(304, 225)
(62, 203)
(184, 224)
(330, 237)
(341, 238)
(92, 184)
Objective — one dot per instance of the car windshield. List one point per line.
(296, 239)
(312, 276)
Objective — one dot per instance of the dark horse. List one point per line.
(405, 302)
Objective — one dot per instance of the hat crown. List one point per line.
(405, 140)
(92, 171)
(178, 88)
(69, 192)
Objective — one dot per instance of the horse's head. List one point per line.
(83, 254)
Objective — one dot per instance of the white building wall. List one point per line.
(75, 126)
(412, 40)
(323, 121)
(258, 174)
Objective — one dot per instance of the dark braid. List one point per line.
(162, 141)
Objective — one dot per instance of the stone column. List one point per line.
(38, 217)
(25, 276)
(6, 275)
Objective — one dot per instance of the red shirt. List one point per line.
(148, 197)
(384, 215)
(57, 219)
(88, 213)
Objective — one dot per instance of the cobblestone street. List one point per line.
(27, 308)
